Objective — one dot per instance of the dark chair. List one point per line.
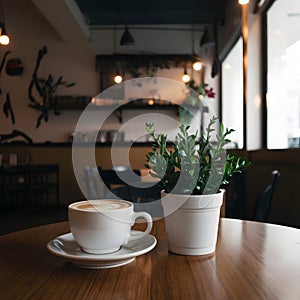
(144, 193)
(263, 203)
(118, 182)
(121, 182)
(235, 196)
(95, 177)
(121, 168)
(91, 175)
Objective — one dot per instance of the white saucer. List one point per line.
(66, 247)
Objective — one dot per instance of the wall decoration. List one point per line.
(46, 89)
(34, 83)
(2, 64)
(7, 109)
(14, 67)
(15, 133)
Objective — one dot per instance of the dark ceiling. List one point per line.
(120, 12)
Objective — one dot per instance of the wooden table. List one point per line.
(252, 261)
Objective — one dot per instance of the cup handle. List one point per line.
(148, 219)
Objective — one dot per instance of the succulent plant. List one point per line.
(193, 165)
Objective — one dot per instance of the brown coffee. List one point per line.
(100, 205)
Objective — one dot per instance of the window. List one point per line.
(232, 93)
(283, 75)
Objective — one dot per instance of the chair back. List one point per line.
(123, 183)
(116, 186)
(263, 203)
(119, 177)
(91, 175)
(118, 182)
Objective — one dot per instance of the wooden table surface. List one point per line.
(252, 261)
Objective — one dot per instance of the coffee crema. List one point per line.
(100, 205)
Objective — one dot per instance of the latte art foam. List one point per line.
(101, 205)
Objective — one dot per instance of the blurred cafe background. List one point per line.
(58, 56)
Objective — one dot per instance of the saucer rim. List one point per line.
(108, 257)
(95, 266)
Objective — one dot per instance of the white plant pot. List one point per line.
(192, 229)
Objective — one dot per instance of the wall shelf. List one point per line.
(119, 110)
(80, 103)
(145, 106)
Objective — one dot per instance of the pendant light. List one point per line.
(216, 66)
(4, 38)
(126, 39)
(185, 77)
(206, 39)
(118, 77)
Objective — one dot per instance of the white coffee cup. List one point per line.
(104, 225)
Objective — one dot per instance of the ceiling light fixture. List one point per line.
(127, 38)
(206, 39)
(4, 38)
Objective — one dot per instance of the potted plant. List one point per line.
(191, 171)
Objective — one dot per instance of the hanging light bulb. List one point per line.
(197, 66)
(118, 78)
(4, 38)
(242, 2)
(150, 102)
(185, 77)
